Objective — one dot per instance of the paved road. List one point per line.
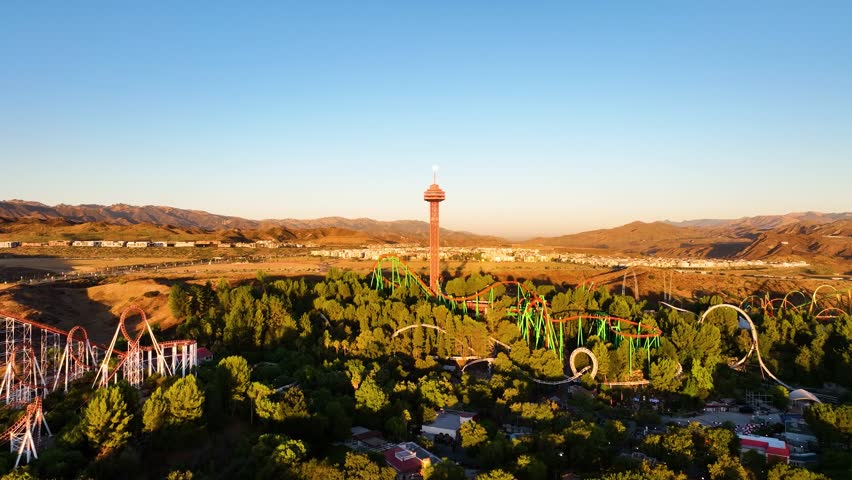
(739, 419)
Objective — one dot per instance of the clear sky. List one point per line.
(545, 117)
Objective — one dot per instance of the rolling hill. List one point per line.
(811, 236)
(33, 221)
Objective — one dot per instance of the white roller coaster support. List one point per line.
(424, 325)
(755, 346)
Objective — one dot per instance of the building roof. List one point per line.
(803, 395)
(402, 459)
(772, 446)
(409, 457)
(450, 420)
(203, 352)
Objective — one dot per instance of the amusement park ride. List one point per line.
(39, 359)
(539, 327)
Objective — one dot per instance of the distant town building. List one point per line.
(59, 243)
(10, 244)
(138, 244)
(87, 243)
(33, 244)
(113, 243)
(184, 244)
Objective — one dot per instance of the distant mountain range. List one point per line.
(196, 223)
(766, 222)
(812, 236)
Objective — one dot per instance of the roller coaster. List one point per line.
(539, 327)
(39, 359)
(534, 320)
(823, 306)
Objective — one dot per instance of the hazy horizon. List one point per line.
(426, 219)
(546, 120)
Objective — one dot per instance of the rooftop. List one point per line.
(450, 420)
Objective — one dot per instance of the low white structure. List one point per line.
(447, 423)
(10, 244)
(87, 243)
(802, 395)
(138, 244)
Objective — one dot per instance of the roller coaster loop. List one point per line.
(826, 305)
(755, 347)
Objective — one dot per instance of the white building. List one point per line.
(10, 244)
(447, 423)
(87, 243)
(138, 244)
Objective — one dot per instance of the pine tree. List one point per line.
(185, 400)
(106, 420)
(155, 411)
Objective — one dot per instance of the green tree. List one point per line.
(277, 455)
(185, 401)
(727, 468)
(358, 466)
(370, 395)
(445, 470)
(619, 308)
(472, 434)
(180, 475)
(780, 397)
(665, 375)
(755, 463)
(531, 468)
(155, 411)
(496, 475)
(782, 471)
(178, 301)
(437, 392)
(237, 374)
(106, 420)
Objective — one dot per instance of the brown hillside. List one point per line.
(797, 241)
(657, 238)
(349, 231)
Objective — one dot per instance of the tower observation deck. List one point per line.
(434, 195)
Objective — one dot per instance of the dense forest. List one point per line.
(298, 363)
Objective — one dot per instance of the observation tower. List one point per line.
(434, 195)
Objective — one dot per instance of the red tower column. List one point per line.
(434, 195)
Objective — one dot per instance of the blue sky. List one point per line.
(545, 118)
